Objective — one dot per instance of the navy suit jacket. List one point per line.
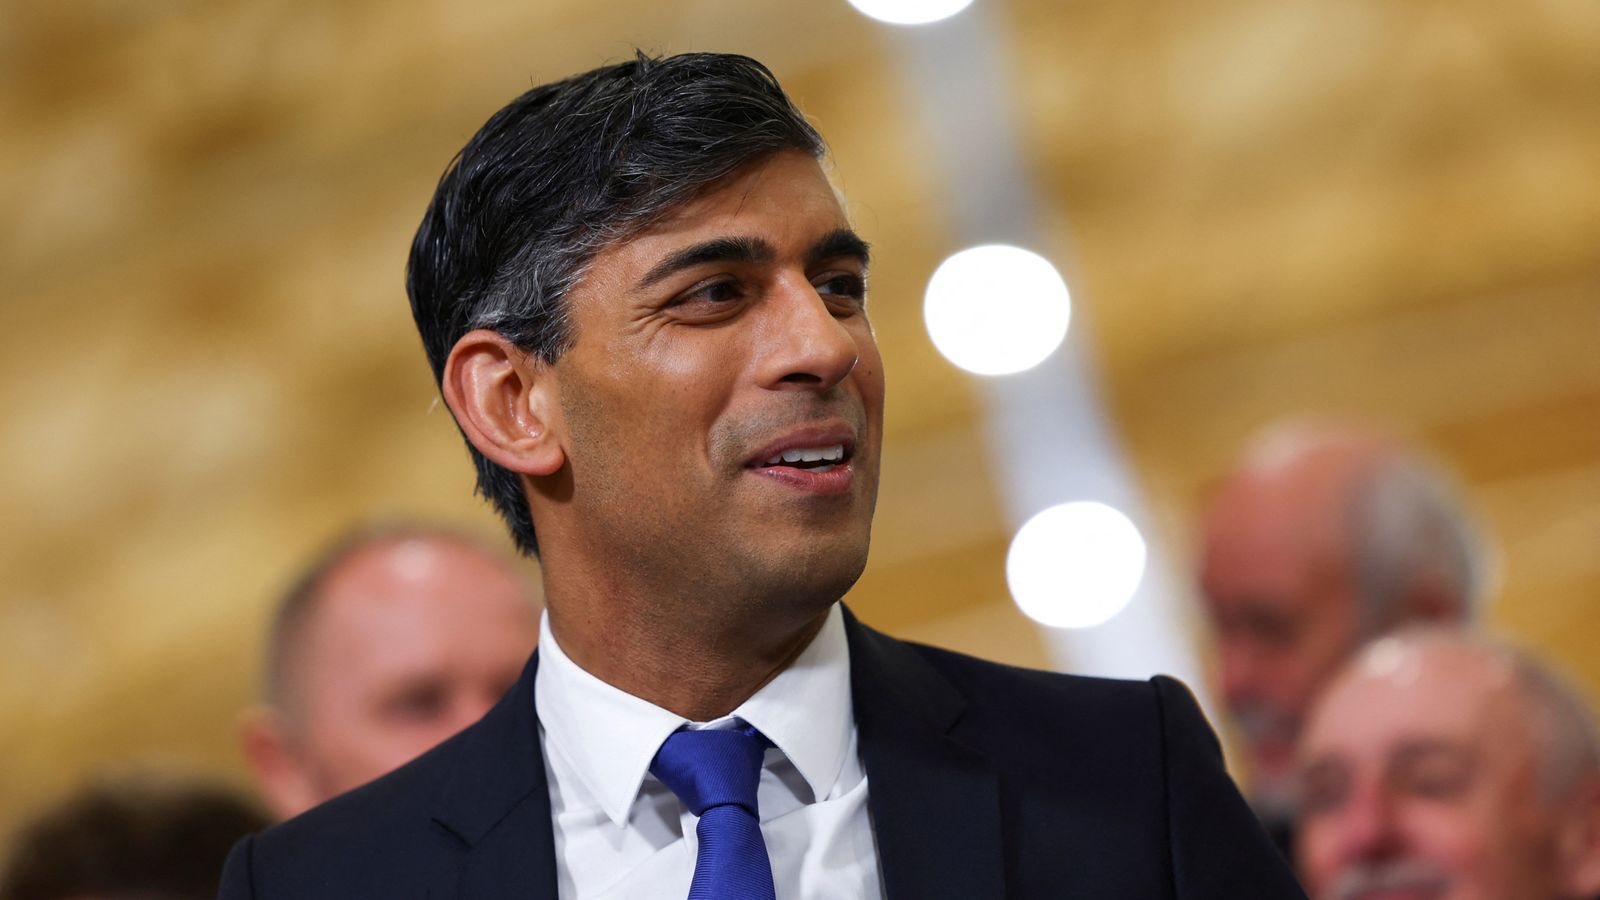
(983, 781)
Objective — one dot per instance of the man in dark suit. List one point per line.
(646, 311)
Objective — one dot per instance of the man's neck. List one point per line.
(700, 669)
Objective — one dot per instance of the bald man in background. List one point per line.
(1324, 536)
(1444, 765)
(392, 641)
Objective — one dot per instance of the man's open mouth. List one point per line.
(811, 459)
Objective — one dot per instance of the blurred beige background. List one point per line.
(1383, 208)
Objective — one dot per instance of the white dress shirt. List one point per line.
(620, 833)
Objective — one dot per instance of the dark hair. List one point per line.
(146, 837)
(565, 171)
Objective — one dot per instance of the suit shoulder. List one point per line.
(996, 696)
(1053, 707)
(981, 678)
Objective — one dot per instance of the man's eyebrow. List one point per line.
(841, 242)
(1321, 767)
(1418, 749)
(726, 249)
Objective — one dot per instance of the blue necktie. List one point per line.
(715, 774)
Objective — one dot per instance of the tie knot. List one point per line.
(712, 768)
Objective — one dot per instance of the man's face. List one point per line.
(723, 397)
(411, 642)
(1419, 780)
(1285, 617)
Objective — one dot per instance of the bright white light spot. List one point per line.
(1075, 565)
(910, 12)
(995, 310)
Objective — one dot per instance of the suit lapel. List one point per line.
(934, 801)
(496, 800)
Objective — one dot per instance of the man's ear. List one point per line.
(280, 776)
(506, 401)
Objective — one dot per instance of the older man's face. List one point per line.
(723, 397)
(1277, 588)
(1419, 776)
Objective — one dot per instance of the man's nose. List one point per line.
(1369, 826)
(1239, 673)
(807, 346)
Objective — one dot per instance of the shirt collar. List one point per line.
(609, 736)
(806, 711)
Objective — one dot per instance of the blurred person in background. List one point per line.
(392, 640)
(1323, 536)
(130, 838)
(1442, 764)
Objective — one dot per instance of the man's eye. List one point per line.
(844, 285)
(417, 703)
(714, 294)
(1440, 773)
(1267, 627)
(1322, 792)
(1436, 782)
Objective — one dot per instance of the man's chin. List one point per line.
(1401, 879)
(813, 574)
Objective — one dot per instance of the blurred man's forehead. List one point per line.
(420, 566)
(1398, 695)
(1440, 664)
(406, 596)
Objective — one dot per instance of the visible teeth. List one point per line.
(808, 454)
